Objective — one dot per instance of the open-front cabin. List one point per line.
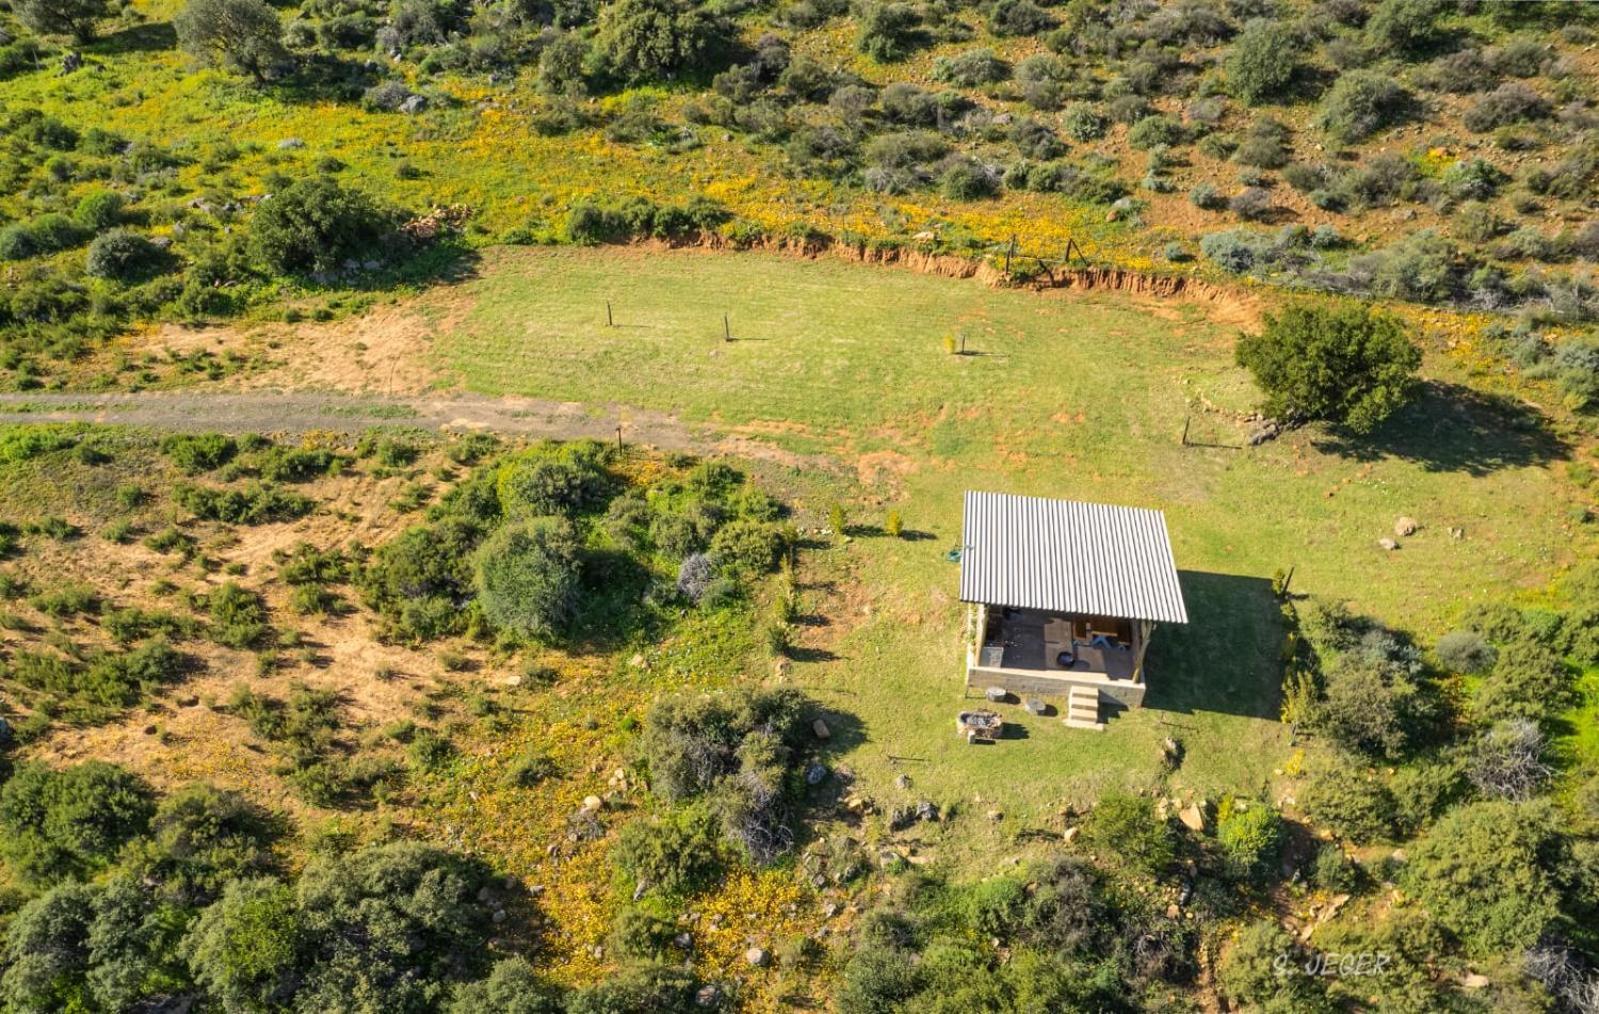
(1064, 594)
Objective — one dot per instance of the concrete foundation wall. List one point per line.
(1124, 692)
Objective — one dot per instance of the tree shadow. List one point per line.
(154, 37)
(798, 653)
(1453, 428)
(1228, 657)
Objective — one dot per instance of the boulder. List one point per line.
(1193, 817)
(414, 104)
(1405, 526)
(1388, 544)
(926, 810)
(820, 729)
(756, 956)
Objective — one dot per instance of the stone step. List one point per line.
(1082, 709)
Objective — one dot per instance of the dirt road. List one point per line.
(303, 412)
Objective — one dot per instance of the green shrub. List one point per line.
(1082, 122)
(1018, 17)
(967, 180)
(512, 987)
(315, 224)
(1251, 840)
(201, 839)
(1360, 104)
(1153, 130)
(123, 254)
(1488, 873)
(1261, 63)
(747, 548)
(1465, 651)
(1128, 828)
(890, 32)
(527, 577)
(1528, 680)
(1350, 802)
(1334, 871)
(245, 950)
(655, 40)
(100, 210)
(676, 854)
(238, 616)
(1351, 367)
(1250, 972)
(202, 452)
(420, 581)
(1508, 104)
(1405, 26)
(255, 504)
(566, 478)
(971, 69)
(70, 822)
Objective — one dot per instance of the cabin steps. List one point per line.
(1082, 709)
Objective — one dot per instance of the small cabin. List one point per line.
(1063, 594)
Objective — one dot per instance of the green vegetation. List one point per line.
(1349, 367)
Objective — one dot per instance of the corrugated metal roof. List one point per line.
(1067, 556)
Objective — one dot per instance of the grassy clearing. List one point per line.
(1081, 397)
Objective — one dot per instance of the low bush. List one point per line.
(1127, 827)
(1360, 104)
(123, 255)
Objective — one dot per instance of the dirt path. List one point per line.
(304, 412)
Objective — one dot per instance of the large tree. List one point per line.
(1348, 366)
(62, 17)
(316, 225)
(242, 35)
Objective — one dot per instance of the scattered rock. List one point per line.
(683, 941)
(821, 730)
(592, 803)
(903, 781)
(71, 62)
(1388, 544)
(1264, 433)
(1405, 526)
(1475, 980)
(927, 811)
(498, 916)
(996, 815)
(638, 661)
(414, 104)
(1193, 817)
(1457, 534)
(1071, 834)
(815, 774)
(756, 956)
(708, 996)
(290, 143)
(829, 909)
(1173, 911)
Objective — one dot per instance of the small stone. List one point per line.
(683, 941)
(592, 803)
(1405, 526)
(499, 916)
(708, 996)
(1071, 834)
(289, 143)
(1173, 911)
(815, 774)
(756, 956)
(926, 811)
(821, 730)
(996, 815)
(903, 781)
(414, 104)
(829, 909)
(1388, 544)
(1475, 980)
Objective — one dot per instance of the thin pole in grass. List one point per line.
(619, 437)
(1187, 419)
(727, 329)
(609, 322)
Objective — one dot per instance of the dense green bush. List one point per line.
(1528, 680)
(971, 69)
(100, 210)
(1018, 17)
(200, 452)
(1490, 873)
(675, 854)
(420, 581)
(1405, 26)
(123, 254)
(555, 478)
(315, 224)
(1251, 971)
(511, 987)
(1505, 105)
(1360, 104)
(527, 576)
(245, 949)
(238, 615)
(202, 838)
(70, 822)
(1262, 61)
(1465, 651)
(1348, 366)
(1349, 801)
(651, 40)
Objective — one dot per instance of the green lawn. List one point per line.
(1076, 397)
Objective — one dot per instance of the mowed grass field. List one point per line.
(1072, 396)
